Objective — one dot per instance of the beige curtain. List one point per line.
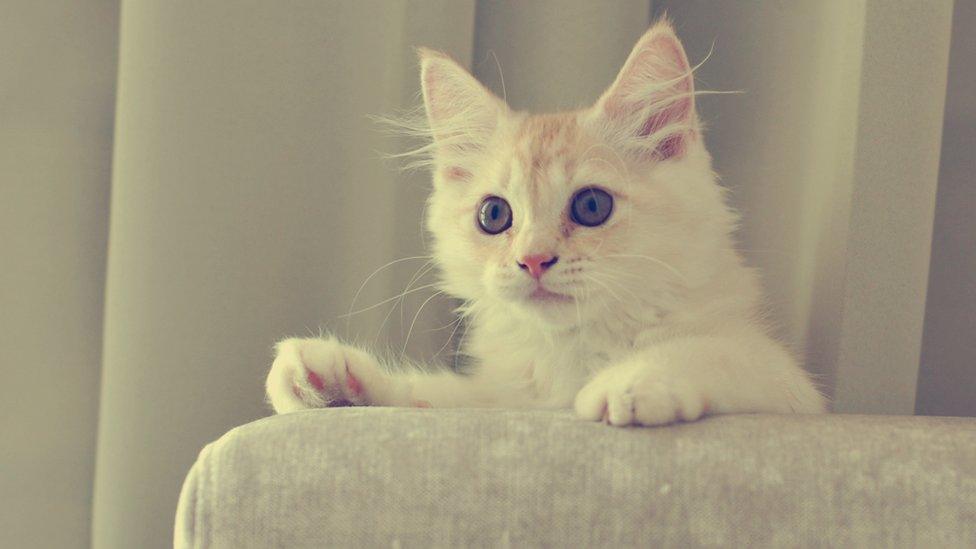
(947, 376)
(250, 200)
(57, 88)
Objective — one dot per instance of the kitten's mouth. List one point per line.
(542, 295)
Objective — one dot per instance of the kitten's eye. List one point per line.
(591, 207)
(495, 215)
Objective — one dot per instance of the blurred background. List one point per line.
(184, 183)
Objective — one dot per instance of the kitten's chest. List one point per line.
(544, 370)
(558, 371)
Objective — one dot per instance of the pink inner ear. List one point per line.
(672, 114)
(660, 59)
(673, 145)
(435, 97)
(675, 113)
(441, 90)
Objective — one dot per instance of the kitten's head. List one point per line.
(563, 217)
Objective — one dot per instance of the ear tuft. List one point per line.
(649, 110)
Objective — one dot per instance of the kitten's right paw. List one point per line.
(317, 373)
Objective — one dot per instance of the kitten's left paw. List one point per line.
(637, 394)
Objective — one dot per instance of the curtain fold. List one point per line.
(947, 376)
(57, 82)
(892, 205)
(249, 201)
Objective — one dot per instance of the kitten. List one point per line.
(594, 255)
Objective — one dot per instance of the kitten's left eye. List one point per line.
(591, 207)
(494, 215)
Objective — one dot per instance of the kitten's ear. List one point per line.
(649, 110)
(462, 113)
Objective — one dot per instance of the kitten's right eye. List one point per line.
(494, 215)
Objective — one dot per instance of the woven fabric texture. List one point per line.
(380, 477)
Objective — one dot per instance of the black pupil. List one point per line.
(591, 204)
(495, 212)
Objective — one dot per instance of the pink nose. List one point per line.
(537, 264)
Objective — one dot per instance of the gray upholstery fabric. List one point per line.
(375, 477)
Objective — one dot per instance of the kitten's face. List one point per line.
(570, 216)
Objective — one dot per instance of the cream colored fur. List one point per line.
(662, 321)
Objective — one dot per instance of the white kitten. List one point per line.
(593, 252)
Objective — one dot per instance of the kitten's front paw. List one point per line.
(638, 394)
(316, 373)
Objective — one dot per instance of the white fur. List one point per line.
(665, 321)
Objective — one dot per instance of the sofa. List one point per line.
(384, 477)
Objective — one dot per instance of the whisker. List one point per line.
(439, 328)
(417, 275)
(610, 271)
(501, 76)
(655, 260)
(457, 324)
(604, 302)
(399, 303)
(621, 285)
(415, 317)
(374, 273)
(460, 345)
(606, 287)
(389, 299)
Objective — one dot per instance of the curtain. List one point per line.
(57, 88)
(947, 376)
(244, 195)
